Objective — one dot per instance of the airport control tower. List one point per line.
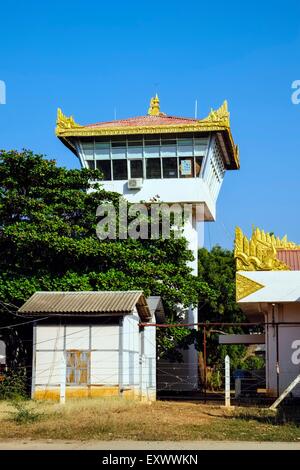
(183, 160)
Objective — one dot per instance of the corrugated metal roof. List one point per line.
(290, 257)
(87, 302)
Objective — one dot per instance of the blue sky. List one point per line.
(91, 57)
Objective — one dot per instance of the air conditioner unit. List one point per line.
(135, 183)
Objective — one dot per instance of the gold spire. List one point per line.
(154, 109)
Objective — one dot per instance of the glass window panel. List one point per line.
(152, 152)
(150, 143)
(169, 167)
(105, 167)
(200, 141)
(135, 152)
(134, 143)
(88, 153)
(103, 154)
(118, 144)
(136, 168)
(102, 145)
(168, 150)
(91, 164)
(186, 167)
(185, 150)
(200, 150)
(88, 149)
(118, 153)
(153, 168)
(87, 145)
(166, 141)
(185, 142)
(199, 161)
(120, 170)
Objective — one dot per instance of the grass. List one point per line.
(114, 418)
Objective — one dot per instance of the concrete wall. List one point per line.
(282, 347)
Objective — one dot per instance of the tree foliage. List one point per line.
(48, 239)
(217, 269)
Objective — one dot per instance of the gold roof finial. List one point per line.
(64, 123)
(154, 109)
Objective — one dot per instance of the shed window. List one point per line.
(78, 365)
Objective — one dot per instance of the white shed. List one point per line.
(92, 344)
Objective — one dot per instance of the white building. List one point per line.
(268, 291)
(180, 160)
(92, 344)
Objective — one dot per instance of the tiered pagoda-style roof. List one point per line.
(155, 122)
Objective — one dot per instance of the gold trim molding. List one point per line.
(259, 253)
(246, 286)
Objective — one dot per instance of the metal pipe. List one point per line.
(277, 359)
(174, 325)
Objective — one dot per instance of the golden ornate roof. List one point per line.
(260, 252)
(154, 122)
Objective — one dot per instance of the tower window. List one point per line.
(136, 168)
(105, 167)
(91, 164)
(186, 167)
(153, 168)
(170, 169)
(120, 170)
(198, 166)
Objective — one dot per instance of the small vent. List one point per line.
(135, 183)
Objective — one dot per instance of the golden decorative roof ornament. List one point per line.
(259, 253)
(63, 122)
(219, 116)
(246, 286)
(154, 109)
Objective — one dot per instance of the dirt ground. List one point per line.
(119, 419)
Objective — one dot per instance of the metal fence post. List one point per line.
(227, 381)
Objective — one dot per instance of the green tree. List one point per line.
(217, 269)
(48, 240)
